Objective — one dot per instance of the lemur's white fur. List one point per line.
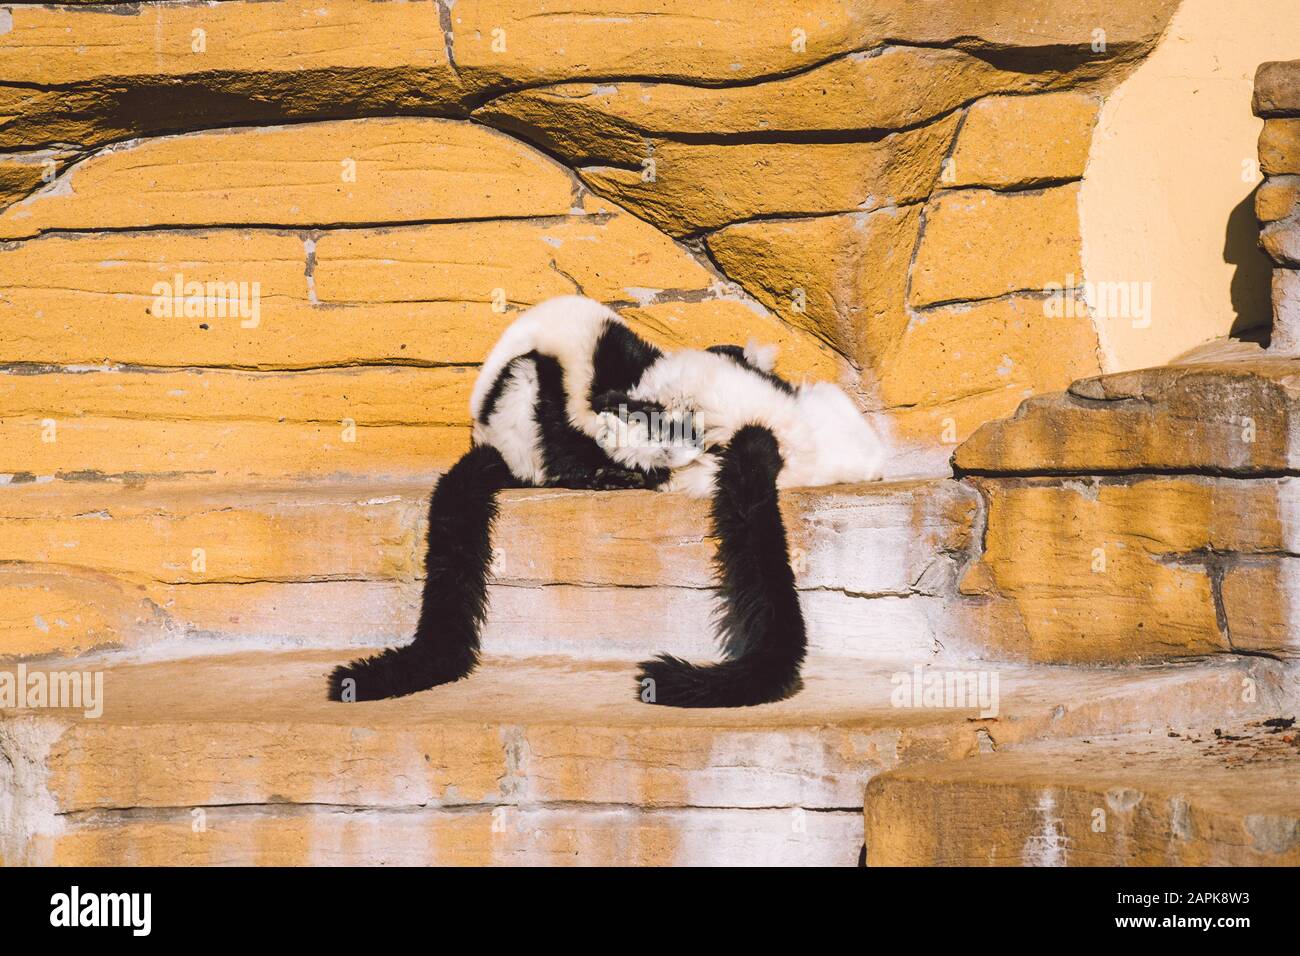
(512, 428)
(823, 437)
(565, 328)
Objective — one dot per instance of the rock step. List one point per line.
(240, 759)
(1222, 418)
(1142, 515)
(620, 575)
(1225, 794)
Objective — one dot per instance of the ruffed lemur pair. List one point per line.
(570, 397)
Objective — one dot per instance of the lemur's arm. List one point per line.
(761, 628)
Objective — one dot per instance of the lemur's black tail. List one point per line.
(445, 648)
(761, 625)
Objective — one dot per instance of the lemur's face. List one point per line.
(646, 435)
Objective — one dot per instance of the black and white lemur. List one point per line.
(570, 397)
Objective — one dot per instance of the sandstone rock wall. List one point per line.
(885, 195)
(884, 189)
(1155, 513)
(1277, 203)
(1142, 516)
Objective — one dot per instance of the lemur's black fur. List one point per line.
(761, 627)
(574, 459)
(454, 604)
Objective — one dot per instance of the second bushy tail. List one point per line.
(457, 563)
(761, 626)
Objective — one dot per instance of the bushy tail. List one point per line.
(459, 555)
(742, 682)
(761, 625)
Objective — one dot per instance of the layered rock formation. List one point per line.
(1143, 515)
(883, 190)
(251, 255)
(1277, 202)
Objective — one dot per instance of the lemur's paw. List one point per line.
(613, 479)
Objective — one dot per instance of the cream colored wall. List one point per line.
(1166, 174)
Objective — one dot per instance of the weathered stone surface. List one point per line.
(221, 423)
(252, 62)
(1277, 198)
(1190, 799)
(702, 187)
(563, 560)
(1279, 147)
(148, 533)
(1231, 418)
(1000, 351)
(838, 536)
(888, 89)
(938, 429)
(524, 620)
(23, 173)
(1221, 350)
(498, 44)
(346, 57)
(1261, 602)
(607, 253)
(876, 566)
(1281, 240)
(369, 396)
(1025, 140)
(488, 836)
(54, 609)
(98, 113)
(93, 304)
(422, 295)
(1141, 568)
(736, 320)
(123, 449)
(427, 294)
(55, 45)
(978, 244)
(313, 175)
(518, 736)
(89, 299)
(1286, 312)
(844, 278)
(1120, 570)
(356, 302)
(661, 289)
(1277, 88)
(999, 24)
(752, 131)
